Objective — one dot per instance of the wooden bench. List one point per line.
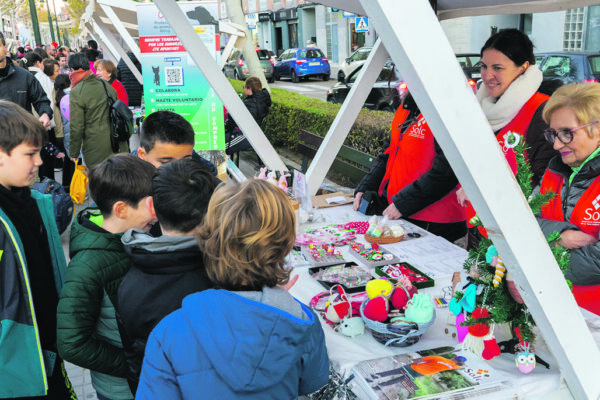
(351, 162)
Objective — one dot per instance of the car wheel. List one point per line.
(271, 79)
(275, 76)
(294, 77)
(326, 77)
(387, 108)
(341, 76)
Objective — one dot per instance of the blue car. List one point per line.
(302, 64)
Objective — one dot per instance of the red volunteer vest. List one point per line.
(586, 215)
(411, 154)
(520, 123)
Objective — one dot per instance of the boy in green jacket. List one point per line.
(32, 267)
(88, 335)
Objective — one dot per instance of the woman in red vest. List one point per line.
(412, 179)
(573, 113)
(511, 102)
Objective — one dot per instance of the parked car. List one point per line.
(469, 62)
(387, 93)
(569, 66)
(389, 89)
(351, 63)
(236, 68)
(302, 64)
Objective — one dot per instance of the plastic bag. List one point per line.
(79, 184)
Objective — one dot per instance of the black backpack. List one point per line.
(120, 119)
(63, 205)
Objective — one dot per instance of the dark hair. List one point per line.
(20, 49)
(59, 56)
(41, 52)
(60, 49)
(49, 64)
(91, 54)
(61, 82)
(19, 126)
(30, 59)
(121, 177)
(79, 61)
(166, 127)
(254, 84)
(92, 44)
(514, 44)
(181, 191)
(4, 40)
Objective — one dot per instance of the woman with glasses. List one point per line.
(573, 113)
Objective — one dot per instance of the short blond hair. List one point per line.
(248, 231)
(581, 98)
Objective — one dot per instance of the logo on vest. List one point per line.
(592, 215)
(418, 130)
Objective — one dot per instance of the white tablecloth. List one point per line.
(438, 258)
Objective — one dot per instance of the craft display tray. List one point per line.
(324, 261)
(374, 264)
(327, 285)
(428, 282)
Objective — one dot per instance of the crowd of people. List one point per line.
(176, 283)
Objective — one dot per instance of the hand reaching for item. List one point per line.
(392, 212)
(572, 239)
(356, 203)
(462, 197)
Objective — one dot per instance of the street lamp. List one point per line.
(35, 23)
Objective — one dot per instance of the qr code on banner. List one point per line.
(174, 76)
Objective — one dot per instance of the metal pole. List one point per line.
(50, 22)
(56, 19)
(35, 23)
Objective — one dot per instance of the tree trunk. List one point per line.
(236, 15)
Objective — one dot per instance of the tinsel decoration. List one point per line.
(338, 388)
(502, 307)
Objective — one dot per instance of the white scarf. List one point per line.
(500, 111)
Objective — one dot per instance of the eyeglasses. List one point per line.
(564, 135)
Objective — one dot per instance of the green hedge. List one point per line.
(292, 112)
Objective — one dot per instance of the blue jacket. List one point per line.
(22, 366)
(224, 346)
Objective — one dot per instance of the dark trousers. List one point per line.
(68, 165)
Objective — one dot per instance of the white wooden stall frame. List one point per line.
(421, 51)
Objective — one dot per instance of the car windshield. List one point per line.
(312, 53)
(362, 55)
(263, 54)
(558, 67)
(595, 64)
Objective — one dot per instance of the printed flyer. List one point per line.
(441, 373)
(171, 79)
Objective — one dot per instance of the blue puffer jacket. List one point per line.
(221, 345)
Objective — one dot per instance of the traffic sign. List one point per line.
(362, 24)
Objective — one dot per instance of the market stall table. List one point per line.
(439, 259)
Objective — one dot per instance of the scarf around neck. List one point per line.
(77, 76)
(500, 111)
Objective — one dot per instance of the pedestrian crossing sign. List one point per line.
(362, 24)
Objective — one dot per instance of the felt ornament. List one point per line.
(467, 302)
(351, 327)
(491, 256)
(479, 330)
(376, 309)
(461, 331)
(263, 174)
(283, 180)
(490, 349)
(338, 307)
(525, 359)
(402, 295)
(379, 287)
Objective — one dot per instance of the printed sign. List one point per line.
(362, 24)
(172, 81)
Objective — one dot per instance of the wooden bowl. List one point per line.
(383, 239)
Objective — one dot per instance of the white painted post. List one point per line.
(345, 118)
(202, 58)
(422, 52)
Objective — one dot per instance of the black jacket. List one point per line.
(540, 151)
(166, 269)
(129, 81)
(584, 268)
(431, 187)
(20, 86)
(258, 104)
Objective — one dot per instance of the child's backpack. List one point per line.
(63, 205)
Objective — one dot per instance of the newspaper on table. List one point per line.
(440, 373)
